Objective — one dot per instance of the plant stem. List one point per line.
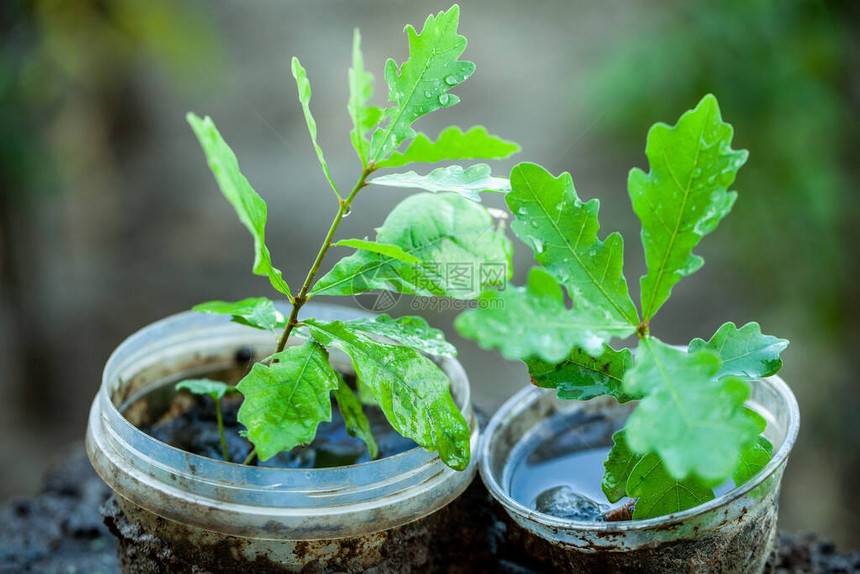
(220, 418)
(302, 297)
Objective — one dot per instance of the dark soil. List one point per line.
(189, 422)
(60, 531)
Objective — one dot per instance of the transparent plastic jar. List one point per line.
(220, 516)
(734, 532)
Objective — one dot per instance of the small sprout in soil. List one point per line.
(216, 390)
(690, 430)
(287, 395)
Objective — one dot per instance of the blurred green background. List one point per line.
(109, 218)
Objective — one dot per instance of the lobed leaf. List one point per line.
(409, 330)
(534, 322)
(304, 87)
(249, 206)
(702, 423)
(467, 182)
(364, 117)
(753, 458)
(354, 418)
(215, 389)
(456, 241)
(411, 390)
(285, 401)
(453, 144)
(617, 468)
(562, 231)
(581, 376)
(257, 312)
(683, 197)
(744, 352)
(660, 493)
(756, 454)
(421, 84)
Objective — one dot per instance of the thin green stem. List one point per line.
(220, 418)
(302, 297)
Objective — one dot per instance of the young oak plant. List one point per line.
(690, 430)
(287, 395)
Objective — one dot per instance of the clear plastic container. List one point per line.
(275, 519)
(732, 533)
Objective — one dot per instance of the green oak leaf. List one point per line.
(249, 206)
(534, 322)
(285, 401)
(617, 468)
(364, 117)
(365, 393)
(421, 84)
(755, 455)
(215, 389)
(753, 458)
(392, 251)
(354, 418)
(411, 390)
(469, 182)
(447, 233)
(452, 144)
(410, 331)
(304, 87)
(659, 493)
(257, 312)
(581, 376)
(562, 231)
(683, 197)
(744, 352)
(693, 421)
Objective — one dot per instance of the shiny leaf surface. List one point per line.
(410, 331)
(469, 182)
(534, 322)
(461, 248)
(693, 421)
(581, 376)
(562, 231)
(744, 352)
(420, 85)
(659, 493)
(257, 312)
(411, 390)
(453, 144)
(684, 195)
(285, 402)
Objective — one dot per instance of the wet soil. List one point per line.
(60, 531)
(189, 422)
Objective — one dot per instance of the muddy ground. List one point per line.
(60, 530)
